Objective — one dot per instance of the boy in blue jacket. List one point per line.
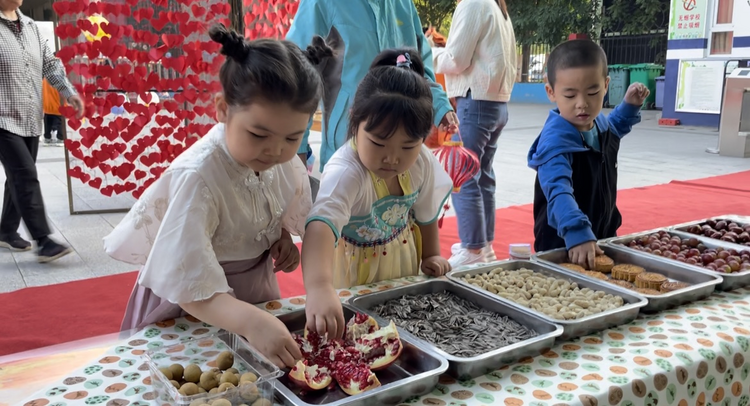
(575, 156)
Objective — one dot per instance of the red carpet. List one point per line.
(37, 317)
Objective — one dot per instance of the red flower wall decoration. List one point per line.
(147, 72)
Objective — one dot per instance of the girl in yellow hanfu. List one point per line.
(375, 216)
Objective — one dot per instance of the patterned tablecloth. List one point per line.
(698, 354)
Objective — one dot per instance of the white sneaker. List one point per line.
(487, 251)
(466, 257)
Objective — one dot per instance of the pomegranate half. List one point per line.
(355, 378)
(311, 377)
(360, 325)
(381, 348)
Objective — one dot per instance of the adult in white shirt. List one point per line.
(479, 64)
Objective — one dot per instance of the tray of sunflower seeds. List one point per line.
(476, 333)
(579, 304)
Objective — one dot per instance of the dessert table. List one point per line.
(697, 354)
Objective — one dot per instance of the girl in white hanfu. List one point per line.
(375, 215)
(211, 232)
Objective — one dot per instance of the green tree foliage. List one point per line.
(436, 13)
(636, 16)
(549, 22)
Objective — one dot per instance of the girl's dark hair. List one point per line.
(503, 7)
(394, 93)
(271, 70)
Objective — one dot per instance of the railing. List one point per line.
(634, 49)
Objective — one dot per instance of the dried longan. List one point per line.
(175, 384)
(199, 402)
(166, 372)
(233, 370)
(213, 391)
(224, 387)
(177, 371)
(262, 402)
(225, 360)
(221, 402)
(248, 391)
(189, 389)
(248, 377)
(208, 380)
(229, 377)
(192, 373)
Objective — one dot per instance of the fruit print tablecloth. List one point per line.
(695, 355)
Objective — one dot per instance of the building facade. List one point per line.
(707, 40)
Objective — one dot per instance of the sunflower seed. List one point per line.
(453, 324)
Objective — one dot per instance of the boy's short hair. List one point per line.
(578, 53)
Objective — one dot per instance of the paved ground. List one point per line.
(650, 155)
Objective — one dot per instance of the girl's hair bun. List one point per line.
(233, 44)
(318, 51)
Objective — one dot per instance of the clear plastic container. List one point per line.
(203, 351)
(519, 251)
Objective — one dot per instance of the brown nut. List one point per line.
(224, 387)
(229, 377)
(177, 371)
(225, 360)
(189, 389)
(166, 372)
(249, 392)
(192, 373)
(208, 380)
(248, 377)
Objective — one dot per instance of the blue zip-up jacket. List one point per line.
(577, 185)
(358, 30)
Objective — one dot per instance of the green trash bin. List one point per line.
(646, 73)
(619, 80)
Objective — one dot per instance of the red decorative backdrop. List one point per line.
(147, 72)
(268, 18)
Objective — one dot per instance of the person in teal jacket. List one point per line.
(358, 30)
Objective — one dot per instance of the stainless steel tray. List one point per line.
(460, 367)
(571, 328)
(703, 282)
(740, 220)
(730, 281)
(415, 373)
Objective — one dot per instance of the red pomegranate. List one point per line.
(349, 362)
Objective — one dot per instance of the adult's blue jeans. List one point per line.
(480, 125)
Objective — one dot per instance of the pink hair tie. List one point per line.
(404, 61)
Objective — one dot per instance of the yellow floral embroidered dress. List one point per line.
(377, 233)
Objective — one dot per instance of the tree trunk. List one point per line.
(237, 16)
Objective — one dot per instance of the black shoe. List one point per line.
(15, 243)
(51, 251)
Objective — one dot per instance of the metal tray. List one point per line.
(415, 373)
(571, 328)
(740, 220)
(460, 367)
(730, 281)
(703, 281)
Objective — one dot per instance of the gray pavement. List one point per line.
(649, 155)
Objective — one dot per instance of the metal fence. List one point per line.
(620, 49)
(532, 63)
(633, 49)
